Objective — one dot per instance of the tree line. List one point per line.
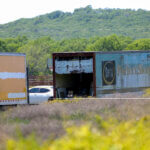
(40, 49)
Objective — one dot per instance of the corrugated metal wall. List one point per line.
(131, 71)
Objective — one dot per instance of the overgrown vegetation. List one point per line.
(82, 23)
(111, 135)
(91, 124)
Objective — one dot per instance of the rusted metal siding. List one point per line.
(54, 75)
(132, 71)
(94, 74)
(75, 67)
(112, 71)
(13, 89)
(72, 54)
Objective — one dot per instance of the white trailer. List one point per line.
(13, 79)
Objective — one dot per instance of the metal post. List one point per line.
(27, 72)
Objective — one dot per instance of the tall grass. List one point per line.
(111, 135)
(49, 121)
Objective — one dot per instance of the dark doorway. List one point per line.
(74, 85)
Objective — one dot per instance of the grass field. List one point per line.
(49, 120)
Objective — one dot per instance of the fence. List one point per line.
(40, 80)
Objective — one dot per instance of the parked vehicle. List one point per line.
(39, 94)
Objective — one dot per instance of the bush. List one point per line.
(109, 135)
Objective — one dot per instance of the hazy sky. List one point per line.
(11, 10)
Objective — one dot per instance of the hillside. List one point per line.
(82, 23)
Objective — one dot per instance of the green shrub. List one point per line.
(146, 92)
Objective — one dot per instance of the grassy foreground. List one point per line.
(107, 124)
(110, 135)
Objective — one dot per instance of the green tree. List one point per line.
(3, 46)
(73, 45)
(37, 52)
(141, 44)
(110, 43)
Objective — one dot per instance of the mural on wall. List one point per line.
(108, 73)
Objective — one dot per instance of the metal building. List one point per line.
(98, 73)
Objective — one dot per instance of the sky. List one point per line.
(11, 10)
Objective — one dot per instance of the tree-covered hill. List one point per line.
(82, 23)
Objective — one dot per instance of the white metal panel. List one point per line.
(13, 102)
(76, 66)
(16, 95)
(10, 75)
